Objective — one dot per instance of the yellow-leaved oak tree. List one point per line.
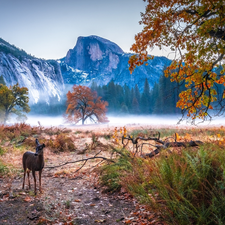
(83, 104)
(13, 100)
(194, 31)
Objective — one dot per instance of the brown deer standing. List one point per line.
(34, 162)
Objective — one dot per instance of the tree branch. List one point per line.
(81, 160)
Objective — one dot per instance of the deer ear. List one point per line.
(37, 142)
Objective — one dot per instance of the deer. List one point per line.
(34, 162)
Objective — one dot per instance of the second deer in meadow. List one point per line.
(34, 162)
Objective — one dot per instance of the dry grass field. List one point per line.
(102, 191)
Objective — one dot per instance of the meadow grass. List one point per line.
(184, 187)
(18, 138)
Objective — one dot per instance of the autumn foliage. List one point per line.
(195, 32)
(13, 100)
(84, 104)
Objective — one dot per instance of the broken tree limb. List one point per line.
(81, 160)
(173, 144)
(160, 144)
(183, 144)
(135, 140)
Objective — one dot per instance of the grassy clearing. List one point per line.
(19, 138)
(16, 139)
(185, 187)
(22, 133)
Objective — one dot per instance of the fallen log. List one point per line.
(173, 144)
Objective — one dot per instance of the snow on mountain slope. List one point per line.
(42, 78)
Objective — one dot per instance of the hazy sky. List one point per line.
(49, 28)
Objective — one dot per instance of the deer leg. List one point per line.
(28, 175)
(24, 176)
(40, 180)
(35, 191)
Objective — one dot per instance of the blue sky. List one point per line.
(49, 28)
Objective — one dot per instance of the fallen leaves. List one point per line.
(92, 204)
(127, 221)
(27, 199)
(143, 215)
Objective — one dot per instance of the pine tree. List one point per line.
(2, 81)
(154, 99)
(135, 106)
(119, 95)
(94, 86)
(111, 94)
(145, 98)
(124, 109)
(127, 96)
(137, 93)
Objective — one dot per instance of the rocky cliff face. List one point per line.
(92, 59)
(43, 78)
(100, 60)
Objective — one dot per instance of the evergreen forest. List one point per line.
(161, 99)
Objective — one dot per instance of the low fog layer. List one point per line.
(167, 120)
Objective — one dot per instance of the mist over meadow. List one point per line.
(114, 120)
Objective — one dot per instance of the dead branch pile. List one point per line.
(160, 144)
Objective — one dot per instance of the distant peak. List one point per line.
(94, 37)
(104, 41)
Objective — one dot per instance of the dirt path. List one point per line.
(66, 199)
